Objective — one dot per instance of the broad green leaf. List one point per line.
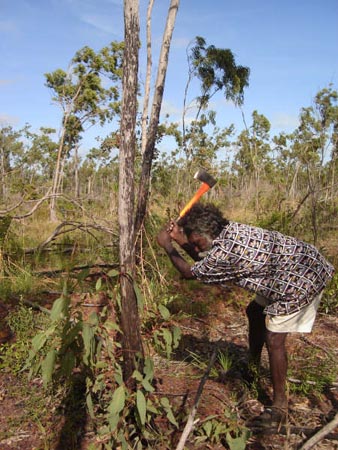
(113, 420)
(148, 368)
(165, 313)
(98, 284)
(238, 443)
(47, 367)
(165, 402)
(147, 386)
(139, 297)
(137, 375)
(39, 341)
(117, 403)
(113, 273)
(59, 308)
(167, 337)
(166, 405)
(89, 402)
(176, 335)
(87, 336)
(141, 406)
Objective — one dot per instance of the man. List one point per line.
(286, 274)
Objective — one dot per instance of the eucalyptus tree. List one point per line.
(129, 221)
(314, 146)
(217, 71)
(150, 127)
(252, 154)
(11, 147)
(88, 93)
(129, 317)
(39, 158)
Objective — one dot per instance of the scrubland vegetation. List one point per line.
(63, 382)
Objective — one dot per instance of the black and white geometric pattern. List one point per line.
(287, 271)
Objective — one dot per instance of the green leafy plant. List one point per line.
(329, 302)
(315, 371)
(23, 322)
(167, 337)
(72, 346)
(223, 364)
(216, 429)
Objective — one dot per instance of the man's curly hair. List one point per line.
(204, 219)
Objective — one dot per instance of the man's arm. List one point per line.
(178, 262)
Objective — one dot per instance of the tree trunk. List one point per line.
(148, 155)
(148, 77)
(76, 173)
(131, 336)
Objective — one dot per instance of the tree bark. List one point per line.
(148, 155)
(148, 77)
(131, 336)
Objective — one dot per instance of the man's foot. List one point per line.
(270, 417)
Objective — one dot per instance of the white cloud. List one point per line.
(284, 121)
(6, 120)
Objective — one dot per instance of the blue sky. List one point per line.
(291, 48)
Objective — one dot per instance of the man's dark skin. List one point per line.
(258, 334)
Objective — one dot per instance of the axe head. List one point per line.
(203, 176)
(207, 182)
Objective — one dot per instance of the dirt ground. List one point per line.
(222, 324)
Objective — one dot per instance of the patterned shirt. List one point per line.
(285, 270)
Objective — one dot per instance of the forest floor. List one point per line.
(220, 322)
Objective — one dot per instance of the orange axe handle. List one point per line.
(202, 190)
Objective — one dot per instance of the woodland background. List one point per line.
(80, 230)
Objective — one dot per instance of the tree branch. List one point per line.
(321, 434)
(190, 422)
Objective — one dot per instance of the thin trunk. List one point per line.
(147, 83)
(131, 335)
(76, 173)
(148, 155)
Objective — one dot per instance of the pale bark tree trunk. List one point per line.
(131, 336)
(154, 117)
(3, 174)
(147, 82)
(56, 177)
(76, 173)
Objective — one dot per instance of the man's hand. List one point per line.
(176, 232)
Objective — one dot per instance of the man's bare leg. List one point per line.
(278, 366)
(257, 331)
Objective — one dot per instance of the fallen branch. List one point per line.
(67, 227)
(36, 306)
(191, 419)
(312, 383)
(76, 268)
(320, 347)
(321, 434)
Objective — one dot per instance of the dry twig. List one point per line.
(321, 434)
(191, 419)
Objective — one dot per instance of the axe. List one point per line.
(207, 182)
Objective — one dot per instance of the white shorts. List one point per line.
(297, 322)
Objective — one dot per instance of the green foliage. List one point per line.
(71, 345)
(166, 336)
(23, 322)
(329, 301)
(217, 70)
(315, 371)
(216, 429)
